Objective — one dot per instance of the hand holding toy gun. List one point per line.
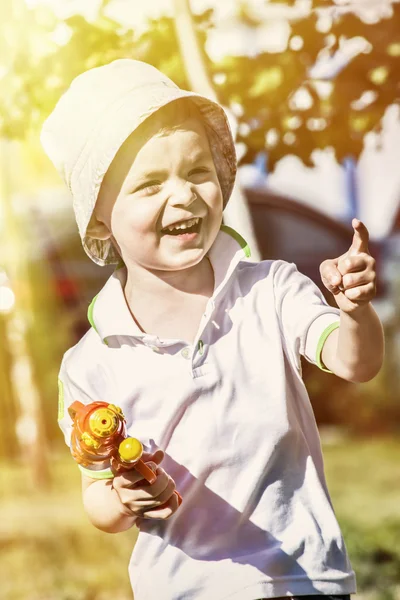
(99, 438)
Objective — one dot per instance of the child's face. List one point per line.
(169, 180)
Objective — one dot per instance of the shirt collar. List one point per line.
(109, 314)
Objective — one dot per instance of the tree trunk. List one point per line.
(237, 213)
(29, 424)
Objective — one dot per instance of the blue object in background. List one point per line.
(352, 199)
(261, 162)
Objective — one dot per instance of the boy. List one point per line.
(201, 350)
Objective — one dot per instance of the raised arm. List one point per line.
(355, 350)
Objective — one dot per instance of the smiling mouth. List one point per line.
(190, 226)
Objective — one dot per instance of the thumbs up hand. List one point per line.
(351, 278)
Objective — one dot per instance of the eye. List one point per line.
(150, 187)
(198, 171)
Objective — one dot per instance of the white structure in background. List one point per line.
(242, 39)
(136, 14)
(66, 8)
(378, 176)
(7, 296)
(322, 187)
(329, 66)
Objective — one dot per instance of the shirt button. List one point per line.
(186, 352)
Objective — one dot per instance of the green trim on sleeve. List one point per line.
(321, 343)
(107, 474)
(238, 238)
(60, 400)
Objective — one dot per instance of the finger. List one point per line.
(154, 502)
(153, 490)
(356, 262)
(351, 280)
(360, 238)
(156, 456)
(330, 275)
(362, 293)
(136, 493)
(167, 493)
(164, 512)
(144, 491)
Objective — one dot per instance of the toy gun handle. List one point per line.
(129, 451)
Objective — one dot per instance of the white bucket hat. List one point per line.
(95, 116)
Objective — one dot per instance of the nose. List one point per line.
(181, 194)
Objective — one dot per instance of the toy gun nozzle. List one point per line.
(104, 422)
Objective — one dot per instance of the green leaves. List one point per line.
(267, 81)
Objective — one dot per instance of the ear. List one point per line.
(97, 229)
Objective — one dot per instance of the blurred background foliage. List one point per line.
(326, 85)
(308, 105)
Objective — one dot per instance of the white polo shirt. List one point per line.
(233, 417)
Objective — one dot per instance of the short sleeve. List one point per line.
(305, 317)
(71, 388)
(68, 391)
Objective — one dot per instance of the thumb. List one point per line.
(157, 457)
(360, 238)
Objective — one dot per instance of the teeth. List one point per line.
(184, 225)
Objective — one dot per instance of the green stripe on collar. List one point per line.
(241, 241)
(90, 317)
(90, 313)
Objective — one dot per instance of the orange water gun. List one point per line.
(99, 434)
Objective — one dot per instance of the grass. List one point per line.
(50, 551)
(364, 481)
